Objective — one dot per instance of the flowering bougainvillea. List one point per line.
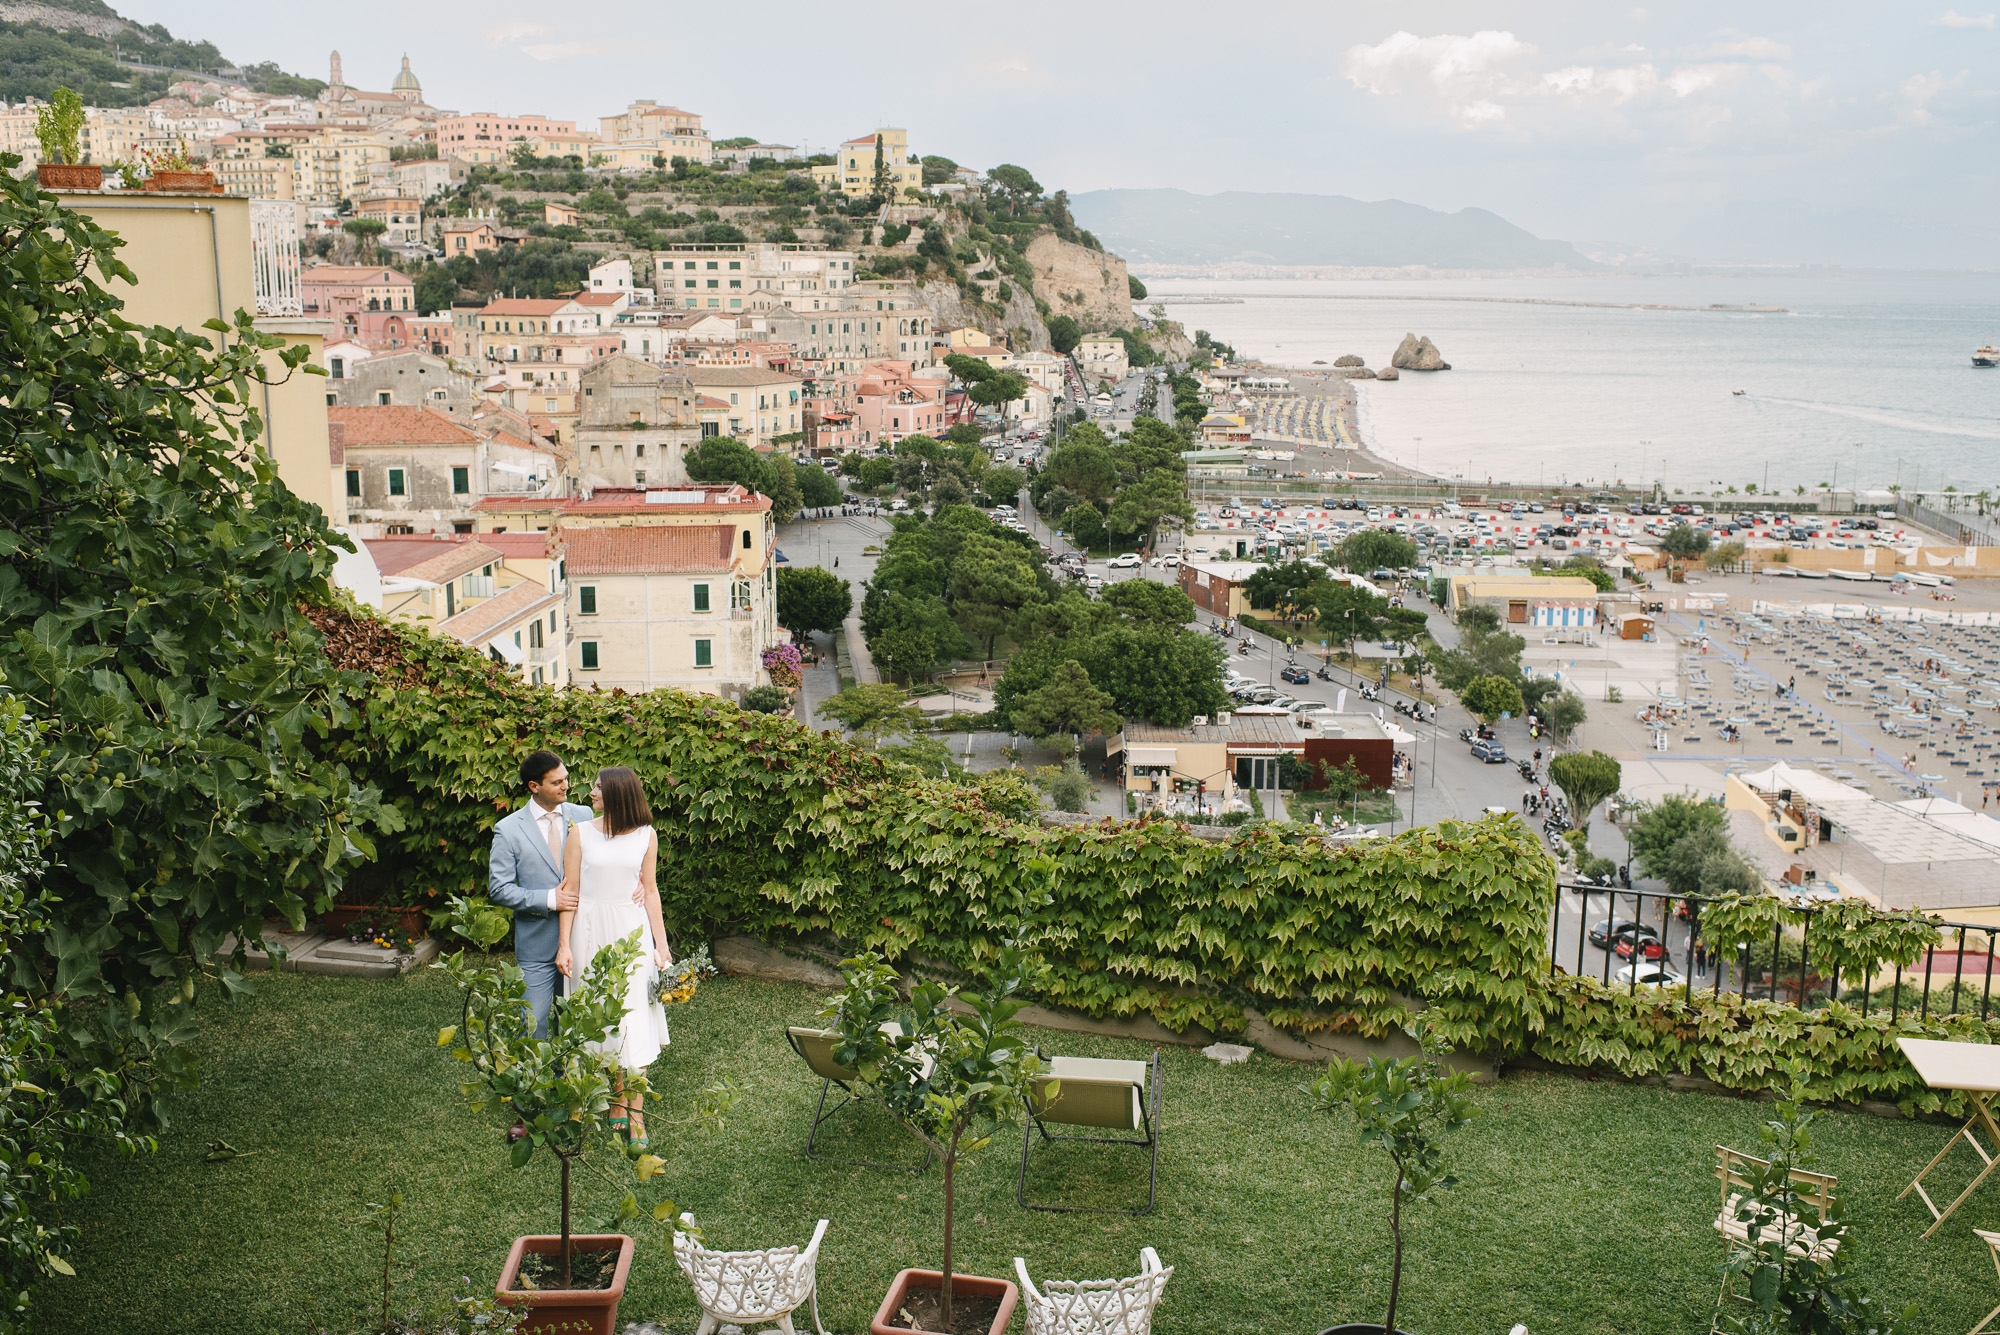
(783, 663)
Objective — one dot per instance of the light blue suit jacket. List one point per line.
(520, 875)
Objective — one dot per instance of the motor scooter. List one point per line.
(1322, 674)
(1243, 648)
(1369, 692)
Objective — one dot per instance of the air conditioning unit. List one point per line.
(1223, 718)
(1201, 720)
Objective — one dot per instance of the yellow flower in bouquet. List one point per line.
(679, 979)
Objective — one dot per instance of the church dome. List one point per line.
(406, 82)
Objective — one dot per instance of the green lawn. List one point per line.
(1585, 1206)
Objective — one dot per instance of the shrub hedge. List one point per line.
(770, 829)
(791, 836)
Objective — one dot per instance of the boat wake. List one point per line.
(1971, 428)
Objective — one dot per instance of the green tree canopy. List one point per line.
(817, 487)
(1158, 500)
(991, 582)
(1064, 333)
(1348, 612)
(1016, 181)
(1669, 821)
(1084, 468)
(1268, 585)
(725, 459)
(1477, 616)
(872, 711)
(1684, 542)
(1371, 548)
(1067, 705)
(1084, 526)
(1565, 714)
(1141, 600)
(812, 599)
(1490, 697)
(1586, 778)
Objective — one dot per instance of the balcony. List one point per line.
(274, 257)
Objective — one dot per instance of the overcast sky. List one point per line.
(1856, 133)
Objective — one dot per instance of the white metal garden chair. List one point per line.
(747, 1289)
(1095, 1306)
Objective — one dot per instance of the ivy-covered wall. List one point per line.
(786, 835)
(770, 829)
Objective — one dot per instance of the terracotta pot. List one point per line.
(568, 1311)
(962, 1286)
(69, 176)
(414, 922)
(174, 180)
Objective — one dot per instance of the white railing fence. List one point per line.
(274, 255)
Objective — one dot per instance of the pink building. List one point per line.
(891, 402)
(366, 304)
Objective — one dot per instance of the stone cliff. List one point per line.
(1090, 286)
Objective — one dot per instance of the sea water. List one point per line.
(1864, 382)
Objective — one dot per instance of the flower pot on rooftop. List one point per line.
(69, 176)
(963, 1287)
(568, 1311)
(201, 182)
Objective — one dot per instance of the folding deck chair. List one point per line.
(1105, 1096)
(816, 1047)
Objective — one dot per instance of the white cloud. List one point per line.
(1917, 92)
(515, 30)
(1488, 79)
(1746, 48)
(1951, 18)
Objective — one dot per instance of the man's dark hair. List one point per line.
(538, 764)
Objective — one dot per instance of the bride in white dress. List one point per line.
(612, 861)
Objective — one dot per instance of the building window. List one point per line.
(396, 482)
(704, 653)
(710, 430)
(587, 654)
(586, 599)
(381, 398)
(746, 539)
(461, 481)
(353, 482)
(739, 594)
(639, 478)
(535, 633)
(338, 366)
(701, 597)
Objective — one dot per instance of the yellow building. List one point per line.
(200, 257)
(853, 173)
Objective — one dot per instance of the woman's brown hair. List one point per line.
(625, 806)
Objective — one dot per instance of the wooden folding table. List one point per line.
(1970, 1068)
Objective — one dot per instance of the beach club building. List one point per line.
(1550, 602)
(1217, 586)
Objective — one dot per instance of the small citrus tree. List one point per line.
(951, 1077)
(1403, 1105)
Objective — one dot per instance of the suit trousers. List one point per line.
(545, 984)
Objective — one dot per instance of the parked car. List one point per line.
(1298, 676)
(1602, 932)
(1491, 752)
(1651, 973)
(1129, 561)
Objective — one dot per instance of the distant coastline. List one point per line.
(1218, 299)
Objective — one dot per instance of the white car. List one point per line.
(1651, 973)
(1129, 561)
(1171, 561)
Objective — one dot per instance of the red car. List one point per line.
(1650, 945)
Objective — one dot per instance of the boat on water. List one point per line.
(1739, 393)
(1986, 356)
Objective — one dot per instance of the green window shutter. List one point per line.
(702, 656)
(701, 597)
(589, 648)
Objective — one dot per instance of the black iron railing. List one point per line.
(1931, 986)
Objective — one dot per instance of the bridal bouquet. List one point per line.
(678, 980)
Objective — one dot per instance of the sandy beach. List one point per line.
(1331, 442)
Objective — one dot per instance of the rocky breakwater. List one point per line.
(1418, 354)
(1352, 367)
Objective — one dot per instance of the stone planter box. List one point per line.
(69, 176)
(203, 182)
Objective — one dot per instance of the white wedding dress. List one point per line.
(605, 913)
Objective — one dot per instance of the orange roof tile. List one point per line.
(489, 617)
(394, 424)
(651, 550)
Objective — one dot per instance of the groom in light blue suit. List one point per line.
(526, 871)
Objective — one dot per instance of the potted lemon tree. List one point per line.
(59, 134)
(554, 1094)
(1405, 1106)
(952, 1067)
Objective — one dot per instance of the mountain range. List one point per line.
(1178, 227)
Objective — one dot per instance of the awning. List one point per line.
(1149, 755)
(504, 646)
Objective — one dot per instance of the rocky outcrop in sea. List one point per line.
(1418, 354)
